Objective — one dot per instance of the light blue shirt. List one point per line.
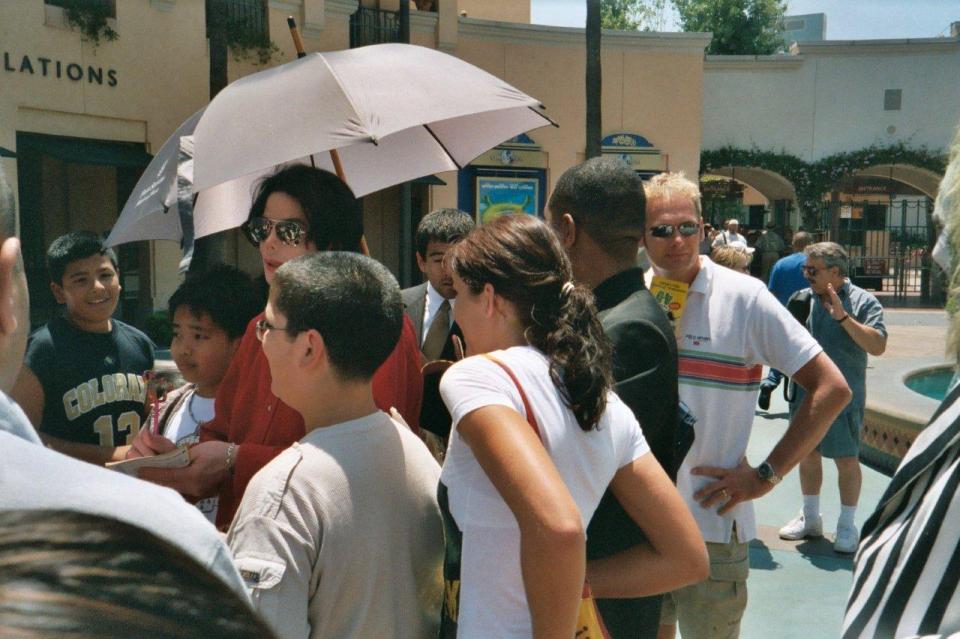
(35, 477)
(840, 347)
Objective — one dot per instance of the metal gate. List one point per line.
(889, 245)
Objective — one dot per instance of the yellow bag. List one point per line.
(589, 622)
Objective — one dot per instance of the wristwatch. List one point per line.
(766, 473)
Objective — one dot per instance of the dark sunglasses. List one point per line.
(686, 229)
(290, 232)
(810, 270)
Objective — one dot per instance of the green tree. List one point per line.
(631, 15)
(744, 27)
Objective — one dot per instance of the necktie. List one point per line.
(437, 335)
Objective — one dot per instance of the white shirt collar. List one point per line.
(431, 306)
(435, 299)
(704, 279)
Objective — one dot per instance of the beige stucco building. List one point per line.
(78, 122)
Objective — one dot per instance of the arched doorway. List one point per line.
(756, 195)
(882, 216)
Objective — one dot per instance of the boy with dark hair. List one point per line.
(430, 307)
(82, 383)
(38, 479)
(340, 535)
(446, 226)
(209, 312)
(436, 233)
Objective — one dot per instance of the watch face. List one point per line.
(766, 473)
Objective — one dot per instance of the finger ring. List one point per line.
(724, 493)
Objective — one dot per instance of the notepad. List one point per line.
(179, 458)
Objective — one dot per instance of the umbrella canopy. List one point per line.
(152, 211)
(393, 112)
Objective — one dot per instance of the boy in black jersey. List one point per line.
(82, 382)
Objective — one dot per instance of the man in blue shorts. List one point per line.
(847, 321)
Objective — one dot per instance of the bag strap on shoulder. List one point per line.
(531, 418)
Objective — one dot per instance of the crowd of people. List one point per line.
(523, 443)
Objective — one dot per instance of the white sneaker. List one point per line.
(847, 539)
(800, 528)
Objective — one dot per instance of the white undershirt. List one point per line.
(431, 306)
(182, 429)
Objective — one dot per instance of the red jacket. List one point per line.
(248, 414)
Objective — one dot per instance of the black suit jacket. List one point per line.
(433, 413)
(645, 372)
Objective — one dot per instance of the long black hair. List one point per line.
(526, 265)
(334, 214)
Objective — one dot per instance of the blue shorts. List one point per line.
(843, 437)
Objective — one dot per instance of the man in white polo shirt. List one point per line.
(730, 327)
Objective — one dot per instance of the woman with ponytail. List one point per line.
(538, 437)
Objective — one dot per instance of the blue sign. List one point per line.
(498, 196)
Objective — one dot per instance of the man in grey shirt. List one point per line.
(847, 321)
(340, 536)
(33, 477)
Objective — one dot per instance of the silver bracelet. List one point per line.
(231, 457)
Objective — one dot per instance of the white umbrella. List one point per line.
(391, 112)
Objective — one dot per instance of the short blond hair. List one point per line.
(731, 256)
(668, 186)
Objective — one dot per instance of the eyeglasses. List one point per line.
(263, 326)
(810, 271)
(686, 229)
(290, 232)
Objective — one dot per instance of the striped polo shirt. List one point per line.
(731, 327)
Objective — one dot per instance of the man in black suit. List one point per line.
(598, 210)
(430, 305)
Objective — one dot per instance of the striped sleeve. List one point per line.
(907, 568)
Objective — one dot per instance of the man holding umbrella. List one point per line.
(297, 211)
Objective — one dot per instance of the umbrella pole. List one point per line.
(295, 34)
(337, 166)
(334, 156)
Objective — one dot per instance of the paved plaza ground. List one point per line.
(799, 589)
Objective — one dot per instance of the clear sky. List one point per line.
(846, 19)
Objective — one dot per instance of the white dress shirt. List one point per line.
(430, 308)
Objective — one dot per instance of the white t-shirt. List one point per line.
(492, 599)
(183, 429)
(729, 238)
(731, 327)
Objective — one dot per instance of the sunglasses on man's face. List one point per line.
(290, 232)
(686, 229)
